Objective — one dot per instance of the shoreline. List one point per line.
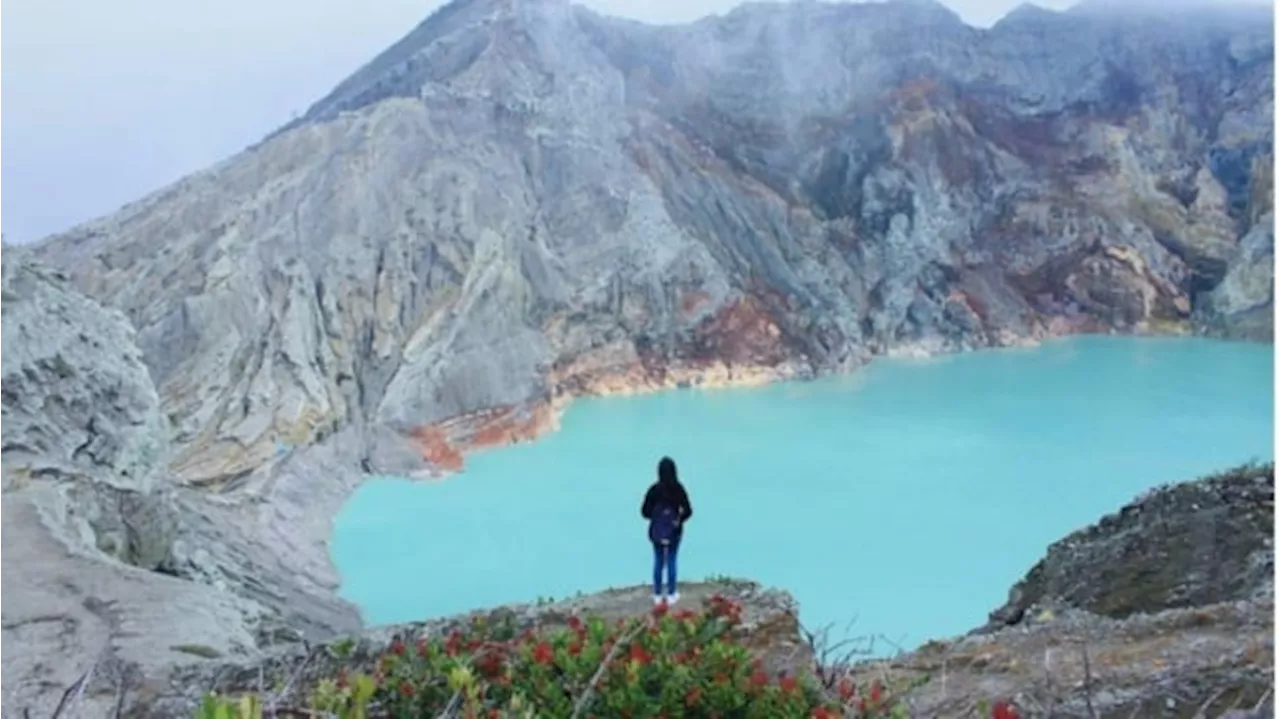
(445, 444)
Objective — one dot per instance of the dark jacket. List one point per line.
(669, 494)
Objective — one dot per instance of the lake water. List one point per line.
(908, 496)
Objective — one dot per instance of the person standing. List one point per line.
(666, 506)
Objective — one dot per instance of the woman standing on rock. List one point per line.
(666, 506)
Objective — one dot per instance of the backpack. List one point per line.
(662, 529)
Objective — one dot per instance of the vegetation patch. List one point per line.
(669, 664)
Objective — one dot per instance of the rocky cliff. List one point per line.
(522, 200)
(112, 570)
(1164, 609)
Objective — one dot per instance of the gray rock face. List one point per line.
(86, 514)
(1185, 545)
(522, 199)
(83, 425)
(1164, 609)
(77, 401)
(112, 575)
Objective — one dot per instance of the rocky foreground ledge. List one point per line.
(1163, 609)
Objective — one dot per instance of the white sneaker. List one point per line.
(658, 599)
(673, 598)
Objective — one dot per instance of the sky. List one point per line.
(109, 101)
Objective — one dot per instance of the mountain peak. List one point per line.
(441, 46)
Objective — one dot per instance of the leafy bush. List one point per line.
(669, 664)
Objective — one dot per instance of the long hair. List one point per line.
(667, 472)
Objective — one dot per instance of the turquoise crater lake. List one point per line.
(908, 496)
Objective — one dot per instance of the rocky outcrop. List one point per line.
(86, 514)
(522, 201)
(1240, 307)
(111, 572)
(1163, 609)
(78, 398)
(769, 630)
(1185, 545)
(80, 413)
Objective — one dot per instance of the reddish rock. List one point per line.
(444, 444)
(690, 302)
(743, 332)
(433, 443)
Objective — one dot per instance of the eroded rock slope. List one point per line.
(113, 573)
(523, 200)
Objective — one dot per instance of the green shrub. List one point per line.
(670, 664)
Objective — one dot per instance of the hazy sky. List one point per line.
(107, 101)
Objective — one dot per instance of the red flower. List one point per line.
(823, 713)
(660, 610)
(494, 714)
(490, 664)
(397, 648)
(575, 649)
(1004, 710)
(759, 678)
(424, 649)
(692, 697)
(453, 644)
(846, 690)
(876, 691)
(788, 684)
(637, 653)
(575, 623)
(406, 689)
(720, 607)
(542, 653)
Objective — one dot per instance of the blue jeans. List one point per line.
(664, 555)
